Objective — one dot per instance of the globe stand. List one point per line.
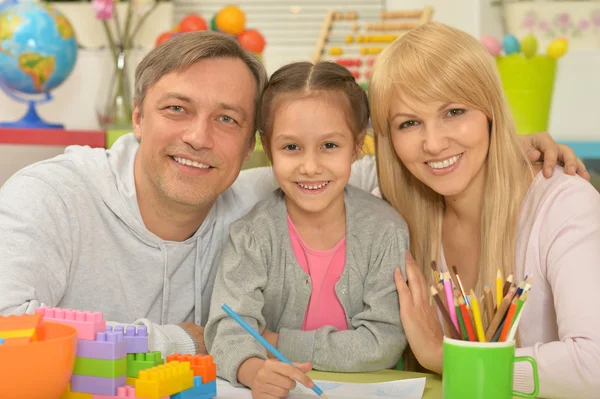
(31, 119)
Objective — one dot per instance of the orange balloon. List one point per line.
(191, 23)
(163, 38)
(231, 20)
(252, 40)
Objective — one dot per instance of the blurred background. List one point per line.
(73, 84)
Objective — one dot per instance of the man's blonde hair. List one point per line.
(184, 50)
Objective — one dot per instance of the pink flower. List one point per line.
(596, 17)
(103, 8)
(543, 26)
(584, 24)
(563, 19)
(528, 20)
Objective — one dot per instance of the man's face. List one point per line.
(195, 131)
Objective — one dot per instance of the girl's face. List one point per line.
(312, 149)
(443, 145)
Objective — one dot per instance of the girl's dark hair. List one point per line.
(305, 78)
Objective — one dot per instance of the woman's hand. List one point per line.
(542, 146)
(419, 319)
(273, 379)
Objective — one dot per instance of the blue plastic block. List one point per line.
(198, 391)
(1, 341)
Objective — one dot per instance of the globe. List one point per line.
(38, 50)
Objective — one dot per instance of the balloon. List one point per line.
(231, 20)
(191, 23)
(252, 40)
(558, 48)
(163, 37)
(492, 45)
(529, 46)
(511, 44)
(213, 23)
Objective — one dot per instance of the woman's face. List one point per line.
(444, 145)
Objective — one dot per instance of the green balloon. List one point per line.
(213, 23)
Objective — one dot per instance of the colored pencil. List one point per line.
(489, 303)
(467, 320)
(499, 316)
(477, 317)
(436, 273)
(515, 325)
(264, 343)
(499, 289)
(509, 319)
(442, 295)
(450, 299)
(452, 331)
(507, 284)
(460, 285)
(461, 322)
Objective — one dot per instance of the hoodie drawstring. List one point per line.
(164, 313)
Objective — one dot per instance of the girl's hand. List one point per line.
(419, 319)
(275, 379)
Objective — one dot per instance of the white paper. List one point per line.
(401, 389)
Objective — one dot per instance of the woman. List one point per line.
(449, 161)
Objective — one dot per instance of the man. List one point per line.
(136, 231)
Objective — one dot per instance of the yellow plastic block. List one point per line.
(335, 51)
(29, 333)
(130, 381)
(164, 380)
(75, 395)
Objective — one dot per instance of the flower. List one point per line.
(529, 20)
(596, 17)
(584, 24)
(543, 26)
(563, 19)
(104, 9)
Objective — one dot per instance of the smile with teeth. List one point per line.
(445, 163)
(188, 162)
(313, 187)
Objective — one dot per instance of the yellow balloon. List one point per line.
(558, 48)
(231, 20)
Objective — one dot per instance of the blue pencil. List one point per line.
(264, 342)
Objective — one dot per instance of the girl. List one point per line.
(311, 266)
(449, 160)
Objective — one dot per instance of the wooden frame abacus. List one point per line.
(355, 44)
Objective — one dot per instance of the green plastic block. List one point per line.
(137, 362)
(100, 367)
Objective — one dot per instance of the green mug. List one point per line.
(482, 370)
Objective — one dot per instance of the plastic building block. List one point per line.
(122, 392)
(1, 341)
(136, 339)
(21, 322)
(130, 381)
(100, 367)
(87, 324)
(137, 362)
(198, 391)
(75, 395)
(202, 366)
(108, 345)
(164, 380)
(96, 385)
(28, 333)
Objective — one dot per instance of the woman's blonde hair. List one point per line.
(435, 62)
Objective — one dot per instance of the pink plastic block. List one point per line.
(122, 392)
(136, 339)
(108, 345)
(96, 385)
(87, 324)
